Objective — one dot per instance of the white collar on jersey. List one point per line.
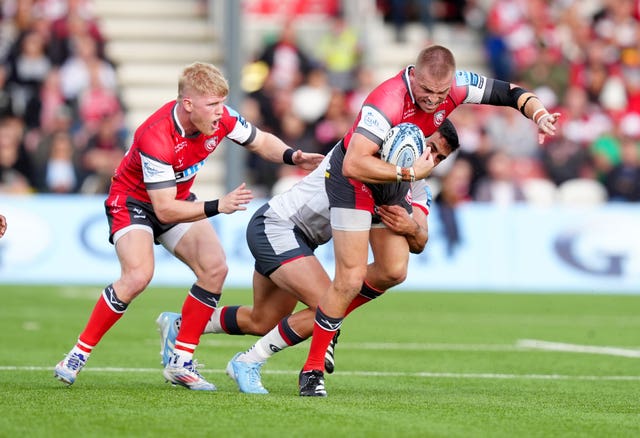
(176, 121)
(405, 76)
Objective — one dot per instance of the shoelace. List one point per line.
(74, 362)
(315, 380)
(193, 367)
(254, 374)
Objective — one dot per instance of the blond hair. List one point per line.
(203, 79)
(437, 60)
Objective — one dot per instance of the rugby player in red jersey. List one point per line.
(282, 236)
(423, 94)
(150, 202)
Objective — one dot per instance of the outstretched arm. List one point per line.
(531, 107)
(507, 94)
(271, 148)
(172, 210)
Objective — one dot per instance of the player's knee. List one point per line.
(394, 275)
(262, 327)
(213, 273)
(350, 281)
(132, 283)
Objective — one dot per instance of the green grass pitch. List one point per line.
(407, 365)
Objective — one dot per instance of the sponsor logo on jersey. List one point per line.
(409, 112)
(370, 120)
(180, 146)
(374, 122)
(189, 172)
(370, 117)
(409, 109)
(464, 78)
(149, 169)
(439, 117)
(211, 143)
(242, 121)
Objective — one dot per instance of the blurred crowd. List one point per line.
(61, 117)
(582, 57)
(62, 129)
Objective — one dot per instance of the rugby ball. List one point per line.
(402, 145)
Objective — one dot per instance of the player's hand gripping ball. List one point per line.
(402, 145)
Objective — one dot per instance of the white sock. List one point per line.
(80, 351)
(265, 347)
(214, 325)
(180, 357)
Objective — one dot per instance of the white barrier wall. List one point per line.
(54, 239)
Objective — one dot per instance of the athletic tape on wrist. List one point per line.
(533, 117)
(211, 208)
(287, 157)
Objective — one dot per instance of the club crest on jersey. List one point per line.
(438, 118)
(211, 144)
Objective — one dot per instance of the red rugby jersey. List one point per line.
(392, 103)
(162, 155)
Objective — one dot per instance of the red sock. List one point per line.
(367, 293)
(358, 301)
(195, 315)
(320, 340)
(102, 318)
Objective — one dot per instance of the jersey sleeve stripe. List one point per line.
(160, 185)
(374, 138)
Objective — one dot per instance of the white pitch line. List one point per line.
(423, 374)
(428, 375)
(576, 348)
(520, 345)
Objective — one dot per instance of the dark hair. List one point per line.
(448, 131)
